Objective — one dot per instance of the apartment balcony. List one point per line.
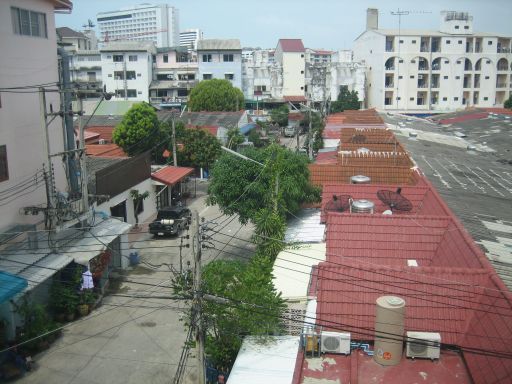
(435, 84)
(423, 85)
(389, 85)
(501, 85)
(168, 101)
(389, 68)
(424, 48)
(389, 48)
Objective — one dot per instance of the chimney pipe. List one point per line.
(372, 18)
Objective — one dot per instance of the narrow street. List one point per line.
(137, 334)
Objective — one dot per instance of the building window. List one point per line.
(445, 99)
(119, 75)
(302, 88)
(459, 62)
(207, 58)
(132, 58)
(413, 41)
(166, 58)
(411, 98)
(488, 62)
(489, 42)
(412, 76)
(4, 168)
(413, 61)
(182, 92)
(400, 77)
(455, 99)
(486, 77)
(401, 41)
(457, 77)
(486, 98)
(118, 58)
(400, 61)
(302, 56)
(466, 27)
(447, 62)
(28, 23)
(207, 76)
(460, 41)
(445, 77)
(448, 41)
(132, 92)
(229, 76)
(456, 27)
(398, 98)
(228, 57)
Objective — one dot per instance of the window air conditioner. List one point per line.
(335, 342)
(426, 345)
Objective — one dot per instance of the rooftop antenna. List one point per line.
(89, 24)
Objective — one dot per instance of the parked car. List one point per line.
(289, 131)
(170, 221)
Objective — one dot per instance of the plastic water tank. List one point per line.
(360, 179)
(389, 330)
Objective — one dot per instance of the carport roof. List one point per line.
(170, 175)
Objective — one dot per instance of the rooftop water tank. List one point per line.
(360, 179)
(389, 330)
(362, 206)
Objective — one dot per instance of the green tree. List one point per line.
(253, 306)
(138, 199)
(317, 128)
(346, 100)
(200, 148)
(215, 95)
(280, 115)
(234, 138)
(140, 131)
(508, 103)
(254, 137)
(243, 187)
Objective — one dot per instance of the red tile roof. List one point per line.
(170, 175)
(291, 45)
(212, 129)
(330, 157)
(295, 99)
(295, 116)
(104, 132)
(466, 117)
(104, 150)
(425, 200)
(354, 158)
(392, 240)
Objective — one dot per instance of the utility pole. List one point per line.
(174, 155)
(198, 299)
(310, 136)
(44, 124)
(83, 167)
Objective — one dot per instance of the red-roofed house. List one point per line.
(290, 56)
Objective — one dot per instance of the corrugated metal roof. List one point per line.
(392, 240)
(305, 227)
(219, 45)
(224, 119)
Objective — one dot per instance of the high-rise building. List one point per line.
(157, 23)
(189, 38)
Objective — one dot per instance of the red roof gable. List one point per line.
(105, 133)
(392, 240)
(212, 129)
(171, 175)
(104, 150)
(291, 45)
(424, 200)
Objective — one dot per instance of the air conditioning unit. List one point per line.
(425, 345)
(335, 342)
(102, 141)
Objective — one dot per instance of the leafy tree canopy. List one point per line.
(243, 187)
(508, 103)
(215, 95)
(200, 148)
(140, 131)
(254, 307)
(346, 100)
(235, 138)
(280, 115)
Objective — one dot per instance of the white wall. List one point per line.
(27, 60)
(294, 77)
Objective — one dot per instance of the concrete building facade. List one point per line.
(290, 55)
(190, 37)
(127, 69)
(440, 70)
(157, 23)
(220, 59)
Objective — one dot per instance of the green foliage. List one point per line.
(280, 115)
(253, 306)
(269, 231)
(254, 137)
(200, 148)
(233, 177)
(137, 198)
(317, 128)
(140, 131)
(346, 100)
(234, 138)
(215, 95)
(508, 103)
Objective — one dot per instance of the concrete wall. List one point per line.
(294, 77)
(219, 68)
(27, 60)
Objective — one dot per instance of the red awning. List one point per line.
(171, 175)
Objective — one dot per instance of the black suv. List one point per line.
(170, 221)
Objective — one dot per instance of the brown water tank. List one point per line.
(389, 330)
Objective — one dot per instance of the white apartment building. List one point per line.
(27, 35)
(290, 57)
(442, 70)
(127, 69)
(220, 59)
(189, 38)
(258, 74)
(157, 23)
(174, 75)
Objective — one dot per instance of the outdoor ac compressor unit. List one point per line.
(335, 342)
(425, 345)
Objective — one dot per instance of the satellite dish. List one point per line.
(394, 200)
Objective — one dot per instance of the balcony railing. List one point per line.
(390, 68)
(466, 85)
(476, 85)
(424, 48)
(501, 85)
(502, 68)
(389, 48)
(503, 50)
(389, 85)
(167, 100)
(422, 85)
(422, 67)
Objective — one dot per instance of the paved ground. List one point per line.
(137, 335)
(476, 183)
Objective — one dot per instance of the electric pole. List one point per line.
(198, 299)
(174, 155)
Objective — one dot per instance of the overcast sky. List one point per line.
(328, 24)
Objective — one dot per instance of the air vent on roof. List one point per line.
(340, 203)
(360, 179)
(426, 345)
(394, 200)
(362, 206)
(359, 139)
(335, 342)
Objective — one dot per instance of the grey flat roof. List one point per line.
(218, 44)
